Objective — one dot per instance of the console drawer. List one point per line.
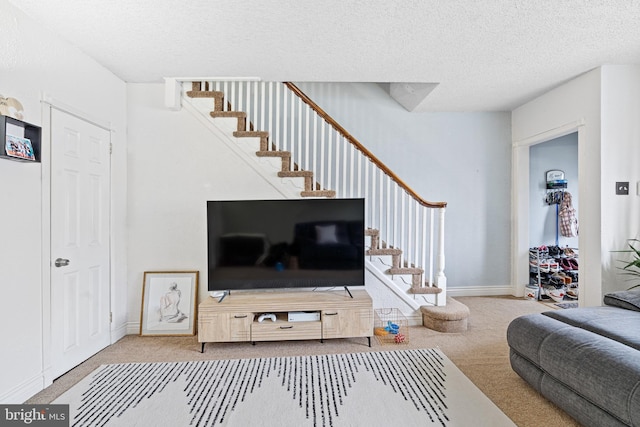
(268, 330)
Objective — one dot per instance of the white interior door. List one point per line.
(80, 254)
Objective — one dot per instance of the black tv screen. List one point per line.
(288, 243)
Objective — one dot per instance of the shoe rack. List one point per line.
(554, 272)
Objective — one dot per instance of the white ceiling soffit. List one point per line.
(486, 55)
(412, 96)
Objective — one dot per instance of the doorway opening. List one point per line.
(553, 233)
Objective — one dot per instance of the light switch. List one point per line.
(622, 188)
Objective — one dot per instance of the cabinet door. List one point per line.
(344, 323)
(224, 327)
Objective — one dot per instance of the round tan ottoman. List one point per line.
(450, 318)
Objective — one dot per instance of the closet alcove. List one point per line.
(553, 257)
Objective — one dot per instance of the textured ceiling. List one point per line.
(485, 55)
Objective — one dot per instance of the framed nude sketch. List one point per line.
(169, 303)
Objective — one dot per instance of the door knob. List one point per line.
(61, 262)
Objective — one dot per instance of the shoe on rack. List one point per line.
(564, 263)
(573, 263)
(556, 281)
(554, 251)
(554, 266)
(533, 266)
(562, 277)
(557, 294)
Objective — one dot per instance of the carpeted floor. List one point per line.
(481, 353)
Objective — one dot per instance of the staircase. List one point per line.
(294, 129)
(311, 189)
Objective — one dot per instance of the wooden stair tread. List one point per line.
(295, 174)
(384, 251)
(205, 94)
(405, 270)
(425, 290)
(250, 133)
(273, 153)
(232, 114)
(318, 193)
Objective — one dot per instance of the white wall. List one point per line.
(460, 158)
(558, 154)
(177, 161)
(607, 102)
(176, 164)
(620, 156)
(34, 62)
(570, 107)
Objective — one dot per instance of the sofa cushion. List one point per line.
(610, 322)
(629, 300)
(599, 370)
(602, 371)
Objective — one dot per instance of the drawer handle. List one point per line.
(331, 314)
(286, 327)
(240, 316)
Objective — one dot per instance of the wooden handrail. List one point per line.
(361, 148)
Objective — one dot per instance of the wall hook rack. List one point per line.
(556, 186)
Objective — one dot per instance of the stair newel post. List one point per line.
(431, 215)
(441, 279)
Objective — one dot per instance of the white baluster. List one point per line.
(441, 279)
(323, 145)
(314, 147)
(299, 140)
(359, 175)
(388, 224)
(241, 97)
(232, 97)
(403, 221)
(367, 166)
(431, 213)
(352, 170)
(225, 90)
(373, 200)
(345, 144)
(276, 134)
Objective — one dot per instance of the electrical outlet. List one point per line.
(622, 188)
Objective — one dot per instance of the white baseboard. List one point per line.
(22, 392)
(480, 291)
(119, 332)
(133, 328)
(415, 318)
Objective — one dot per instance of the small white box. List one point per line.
(532, 292)
(304, 316)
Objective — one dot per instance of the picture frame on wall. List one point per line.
(169, 303)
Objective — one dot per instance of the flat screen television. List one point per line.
(288, 243)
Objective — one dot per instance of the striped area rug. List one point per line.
(404, 388)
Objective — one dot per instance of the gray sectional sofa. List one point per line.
(585, 360)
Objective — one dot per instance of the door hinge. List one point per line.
(111, 148)
(110, 317)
